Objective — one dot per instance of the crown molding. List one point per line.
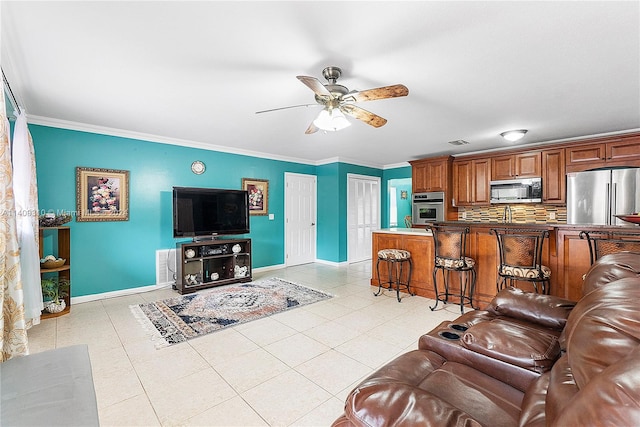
(103, 130)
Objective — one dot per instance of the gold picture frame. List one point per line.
(102, 194)
(258, 195)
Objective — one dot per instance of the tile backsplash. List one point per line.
(520, 214)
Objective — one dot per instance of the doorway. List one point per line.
(300, 218)
(363, 215)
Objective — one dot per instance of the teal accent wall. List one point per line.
(403, 206)
(387, 175)
(110, 256)
(332, 207)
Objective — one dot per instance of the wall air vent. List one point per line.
(458, 142)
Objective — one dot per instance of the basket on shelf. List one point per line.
(52, 263)
(52, 220)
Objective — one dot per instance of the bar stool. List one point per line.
(602, 243)
(395, 259)
(450, 243)
(521, 258)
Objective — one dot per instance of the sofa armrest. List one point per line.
(545, 310)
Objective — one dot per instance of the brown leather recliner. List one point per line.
(484, 378)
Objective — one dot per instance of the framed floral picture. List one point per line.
(102, 194)
(258, 195)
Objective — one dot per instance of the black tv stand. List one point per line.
(213, 262)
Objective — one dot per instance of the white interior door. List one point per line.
(363, 215)
(300, 218)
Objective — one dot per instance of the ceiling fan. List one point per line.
(337, 101)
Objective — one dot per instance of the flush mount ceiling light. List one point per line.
(331, 120)
(513, 135)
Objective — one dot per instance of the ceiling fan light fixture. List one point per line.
(514, 135)
(331, 120)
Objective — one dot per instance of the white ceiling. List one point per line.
(195, 73)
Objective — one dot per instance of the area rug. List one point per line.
(178, 319)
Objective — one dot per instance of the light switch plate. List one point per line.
(271, 217)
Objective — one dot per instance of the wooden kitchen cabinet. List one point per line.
(522, 165)
(553, 177)
(431, 174)
(610, 153)
(471, 180)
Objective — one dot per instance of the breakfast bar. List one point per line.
(564, 252)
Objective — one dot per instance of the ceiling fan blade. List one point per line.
(315, 85)
(364, 115)
(285, 108)
(379, 93)
(311, 129)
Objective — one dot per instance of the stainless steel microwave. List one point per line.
(525, 190)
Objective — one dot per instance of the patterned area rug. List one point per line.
(178, 319)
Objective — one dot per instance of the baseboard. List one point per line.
(141, 289)
(119, 293)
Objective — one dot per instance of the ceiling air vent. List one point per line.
(458, 142)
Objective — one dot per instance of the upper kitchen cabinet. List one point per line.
(431, 174)
(553, 177)
(471, 179)
(619, 151)
(512, 166)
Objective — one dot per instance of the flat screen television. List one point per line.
(207, 212)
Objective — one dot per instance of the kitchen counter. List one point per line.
(408, 231)
(564, 252)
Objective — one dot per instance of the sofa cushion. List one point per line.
(603, 328)
(545, 310)
(534, 403)
(419, 388)
(562, 388)
(610, 268)
(612, 398)
(530, 348)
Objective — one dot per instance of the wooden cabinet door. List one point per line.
(436, 176)
(484, 249)
(573, 262)
(502, 167)
(419, 178)
(553, 176)
(481, 173)
(527, 165)
(585, 156)
(624, 150)
(462, 183)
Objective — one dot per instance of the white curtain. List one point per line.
(13, 341)
(26, 194)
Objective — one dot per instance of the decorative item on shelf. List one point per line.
(190, 253)
(191, 279)
(50, 219)
(53, 293)
(236, 248)
(214, 276)
(51, 261)
(633, 218)
(240, 271)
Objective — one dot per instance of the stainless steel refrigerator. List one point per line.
(594, 197)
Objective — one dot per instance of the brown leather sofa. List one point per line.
(527, 360)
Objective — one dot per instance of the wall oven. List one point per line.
(427, 207)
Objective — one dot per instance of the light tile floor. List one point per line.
(291, 369)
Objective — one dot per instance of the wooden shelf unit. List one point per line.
(61, 248)
(200, 262)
